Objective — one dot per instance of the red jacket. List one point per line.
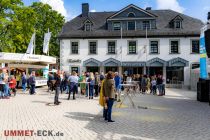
(12, 83)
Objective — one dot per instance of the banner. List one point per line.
(31, 45)
(203, 64)
(46, 42)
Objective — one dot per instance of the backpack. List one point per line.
(24, 80)
(32, 80)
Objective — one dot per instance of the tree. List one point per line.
(46, 18)
(7, 12)
(19, 22)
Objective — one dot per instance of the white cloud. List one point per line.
(57, 5)
(170, 4)
(93, 10)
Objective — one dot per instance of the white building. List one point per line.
(132, 40)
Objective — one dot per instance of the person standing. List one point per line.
(32, 82)
(24, 81)
(91, 81)
(117, 81)
(143, 84)
(109, 95)
(153, 83)
(57, 87)
(159, 85)
(96, 87)
(73, 79)
(18, 77)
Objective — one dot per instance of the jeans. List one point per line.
(24, 86)
(57, 91)
(6, 90)
(91, 90)
(87, 88)
(160, 88)
(108, 112)
(74, 89)
(32, 89)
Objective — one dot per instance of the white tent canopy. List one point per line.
(26, 60)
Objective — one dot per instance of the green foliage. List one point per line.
(19, 22)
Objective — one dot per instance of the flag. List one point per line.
(31, 45)
(46, 42)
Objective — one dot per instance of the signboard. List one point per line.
(203, 65)
(74, 61)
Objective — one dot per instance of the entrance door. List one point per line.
(113, 69)
(155, 70)
(92, 69)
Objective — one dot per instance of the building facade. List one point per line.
(131, 41)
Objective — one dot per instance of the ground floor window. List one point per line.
(132, 70)
(113, 69)
(174, 74)
(155, 70)
(92, 69)
(76, 69)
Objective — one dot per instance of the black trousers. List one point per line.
(57, 91)
(96, 87)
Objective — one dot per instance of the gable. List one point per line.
(138, 12)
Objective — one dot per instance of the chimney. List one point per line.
(208, 18)
(149, 8)
(85, 9)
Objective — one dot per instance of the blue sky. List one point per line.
(72, 8)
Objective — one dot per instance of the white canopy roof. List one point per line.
(26, 60)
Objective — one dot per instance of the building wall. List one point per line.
(164, 52)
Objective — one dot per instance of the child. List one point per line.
(12, 84)
(154, 83)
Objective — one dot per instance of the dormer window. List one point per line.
(88, 25)
(177, 24)
(131, 14)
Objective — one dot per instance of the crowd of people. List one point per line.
(10, 83)
(108, 86)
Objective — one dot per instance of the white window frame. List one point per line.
(108, 47)
(136, 47)
(135, 25)
(178, 46)
(89, 47)
(150, 47)
(71, 47)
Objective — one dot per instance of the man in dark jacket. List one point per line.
(57, 87)
(32, 82)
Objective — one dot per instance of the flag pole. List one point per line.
(48, 44)
(34, 41)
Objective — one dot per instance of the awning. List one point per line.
(92, 63)
(178, 62)
(156, 62)
(133, 64)
(111, 62)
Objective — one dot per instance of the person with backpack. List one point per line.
(24, 81)
(32, 82)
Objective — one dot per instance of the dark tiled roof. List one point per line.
(74, 28)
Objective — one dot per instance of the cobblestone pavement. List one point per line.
(176, 116)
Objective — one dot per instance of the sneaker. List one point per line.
(119, 100)
(111, 121)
